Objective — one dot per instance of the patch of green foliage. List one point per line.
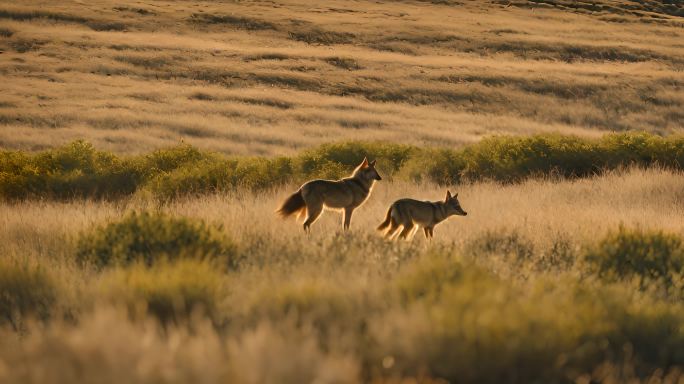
(511, 246)
(170, 291)
(463, 323)
(319, 303)
(148, 237)
(78, 170)
(25, 290)
(435, 313)
(218, 174)
(650, 257)
(75, 170)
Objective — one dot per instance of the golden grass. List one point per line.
(505, 294)
(539, 209)
(252, 78)
(289, 313)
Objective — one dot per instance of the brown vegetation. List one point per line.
(277, 77)
(123, 264)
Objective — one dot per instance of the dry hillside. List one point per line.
(266, 77)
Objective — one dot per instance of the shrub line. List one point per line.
(79, 170)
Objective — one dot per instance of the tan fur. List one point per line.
(346, 194)
(409, 213)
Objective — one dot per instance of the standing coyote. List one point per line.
(346, 194)
(410, 212)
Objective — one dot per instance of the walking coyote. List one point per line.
(346, 194)
(427, 214)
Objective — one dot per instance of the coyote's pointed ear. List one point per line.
(372, 163)
(448, 195)
(456, 195)
(364, 163)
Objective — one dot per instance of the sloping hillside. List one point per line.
(261, 77)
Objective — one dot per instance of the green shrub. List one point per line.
(641, 149)
(464, 324)
(507, 244)
(171, 291)
(167, 160)
(425, 279)
(25, 290)
(206, 176)
(514, 158)
(442, 166)
(259, 173)
(78, 170)
(648, 256)
(319, 303)
(147, 237)
(16, 175)
(344, 157)
(213, 175)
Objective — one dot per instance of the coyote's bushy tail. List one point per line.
(293, 204)
(388, 219)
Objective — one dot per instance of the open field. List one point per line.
(511, 293)
(269, 78)
(144, 147)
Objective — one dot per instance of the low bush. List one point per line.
(465, 324)
(25, 290)
(78, 170)
(442, 166)
(391, 157)
(322, 305)
(170, 291)
(213, 175)
(514, 158)
(426, 279)
(75, 170)
(510, 245)
(147, 237)
(170, 159)
(204, 176)
(648, 256)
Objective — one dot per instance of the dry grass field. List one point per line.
(139, 260)
(506, 294)
(261, 77)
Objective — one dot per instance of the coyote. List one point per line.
(346, 194)
(410, 212)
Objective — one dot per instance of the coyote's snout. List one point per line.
(408, 213)
(346, 194)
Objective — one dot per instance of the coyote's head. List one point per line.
(453, 207)
(366, 170)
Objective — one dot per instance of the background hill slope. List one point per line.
(260, 77)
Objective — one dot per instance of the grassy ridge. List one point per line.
(79, 170)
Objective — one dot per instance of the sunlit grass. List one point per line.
(145, 147)
(539, 275)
